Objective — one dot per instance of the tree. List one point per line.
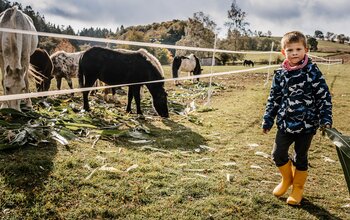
(4, 4)
(198, 33)
(341, 38)
(237, 30)
(269, 33)
(312, 42)
(237, 19)
(329, 36)
(205, 20)
(319, 34)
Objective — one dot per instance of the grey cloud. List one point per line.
(275, 15)
(133, 11)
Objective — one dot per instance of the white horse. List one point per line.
(65, 66)
(188, 64)
(15, 51)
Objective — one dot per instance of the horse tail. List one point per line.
(36, 75)
(154, 61)
(176, 66)
(197, 70)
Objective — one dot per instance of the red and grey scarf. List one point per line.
(301, 65)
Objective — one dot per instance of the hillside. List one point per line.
(335, 50)
(168, 32)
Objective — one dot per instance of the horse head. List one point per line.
(160, 100)
(14, 82)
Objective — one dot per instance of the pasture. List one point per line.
(176, 168)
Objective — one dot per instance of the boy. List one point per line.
(300, 99)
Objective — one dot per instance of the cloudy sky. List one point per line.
(276, 16)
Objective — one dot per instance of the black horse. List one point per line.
(248, 63)
(115, 67)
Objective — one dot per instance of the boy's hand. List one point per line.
(323, 129)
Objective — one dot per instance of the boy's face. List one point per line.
(294, 53)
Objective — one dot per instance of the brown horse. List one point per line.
(42, 63)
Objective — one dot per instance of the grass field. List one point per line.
(175, 168)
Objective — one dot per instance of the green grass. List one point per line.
(327, 46)
(181, 172)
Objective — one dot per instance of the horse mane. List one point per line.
(154, 61)
(56, 53)
(7, 15)
(34, 74)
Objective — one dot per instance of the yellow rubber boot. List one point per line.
(293, 170)
(298, 188)
(287, 179)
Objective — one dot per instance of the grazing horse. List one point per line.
(15, 51)
(65, 66)
(248, 63)
(42, 63)
(115, 67)
(188, 64)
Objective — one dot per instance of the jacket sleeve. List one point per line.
(273, 102)
(323, 98)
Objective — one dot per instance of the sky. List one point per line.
(276, 16)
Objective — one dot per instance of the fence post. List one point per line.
(210, 90)
(268, 70)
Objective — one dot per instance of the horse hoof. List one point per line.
(140, 116)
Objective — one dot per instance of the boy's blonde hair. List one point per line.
(293, 37)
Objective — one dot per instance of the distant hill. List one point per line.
(334, 50)
(168, 32)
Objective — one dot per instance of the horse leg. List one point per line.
(177, 82)
(59, 81)
(105, 95)
(96, 84)
(70, 83)
(88, 83)
(114, 95)
(28, 101)
(130, 97)
(136, 93)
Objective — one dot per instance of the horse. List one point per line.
(15, 51)
(248, 63)
(65, 66)
(115, 67)
(42, 63)
(188, 64)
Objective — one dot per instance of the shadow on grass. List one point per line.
(24, 172)
(170, 136)
(317, 211)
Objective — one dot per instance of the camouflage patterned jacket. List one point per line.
(300, 99)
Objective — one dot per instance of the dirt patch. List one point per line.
(345, 57)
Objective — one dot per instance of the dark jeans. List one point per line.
(302, 144)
